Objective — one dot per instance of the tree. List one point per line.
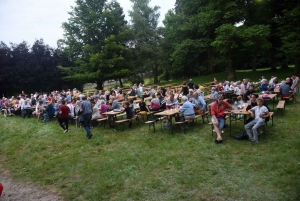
(146, 38)
(289, 32)
(255, 41)
(95, 39)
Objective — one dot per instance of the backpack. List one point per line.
(242, 136)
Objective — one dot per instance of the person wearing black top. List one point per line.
(191, 84)
(248, 93)
(184, 89)
(129, 111)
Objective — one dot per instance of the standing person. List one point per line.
(86, 109)
(191, 84)
(64, 114)
(218, 117)
(295, 86)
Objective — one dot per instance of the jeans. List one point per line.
(254, 124)
(46, 117)
(63, 123)
(87, 122)
(26, 112)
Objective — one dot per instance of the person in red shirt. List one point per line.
(220, 87)
(218, 109)
(1, 189)
(64, 115)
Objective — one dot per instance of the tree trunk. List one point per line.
(273, 59)
(121, 83)
(297, 66)
(284, 64)
(254, 63)
(155, 74)
(231, 71)
(99, 85)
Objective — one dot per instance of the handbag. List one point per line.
(198, 111)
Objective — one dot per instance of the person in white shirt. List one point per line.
(258, 113)
(26, 108)
(71, 106)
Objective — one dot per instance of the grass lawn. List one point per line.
(137, 164)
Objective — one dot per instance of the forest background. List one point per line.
(198, 38)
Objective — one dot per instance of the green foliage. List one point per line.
(95, 38)
(146, 39)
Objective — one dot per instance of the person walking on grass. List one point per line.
(86, 110)
(64, 114)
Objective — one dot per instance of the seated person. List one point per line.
(284, 90)
(115, 104)
(218, 117)
(258, 113)
(49, 111)
(187, 109)
(199, 104)
(220, 87)
(155, 104)
(26, 108)
(248, 93)
(129, 111)
(190, 96)
(172, 103)
(39, 110)
(214, 94)
(9, 107)
(264, 86)
(95, 111)
(102, 108)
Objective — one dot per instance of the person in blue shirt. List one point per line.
(187, 109)
(49, 111)
(264, 86)
(199, 103)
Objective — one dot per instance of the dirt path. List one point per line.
(15, 191)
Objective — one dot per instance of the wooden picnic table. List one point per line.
(131, 97)
(114, 114)
(168, 113)
(271, 96)
(233, 114)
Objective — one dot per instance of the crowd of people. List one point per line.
(84, 108)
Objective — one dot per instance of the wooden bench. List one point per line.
(287, 99)
(184, 123)
(152, 123)
(266, 124)
(281, 106)
(104, 120)
(202, 115)
(123, 121)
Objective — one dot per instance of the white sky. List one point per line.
(34, 19)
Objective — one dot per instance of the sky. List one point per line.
(28, 20)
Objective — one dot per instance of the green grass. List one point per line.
(137, 164)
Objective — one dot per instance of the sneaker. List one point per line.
(251, 139)
(222, 131)
(214, 131)
(65, 131)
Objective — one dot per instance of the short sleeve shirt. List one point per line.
(259, 110)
